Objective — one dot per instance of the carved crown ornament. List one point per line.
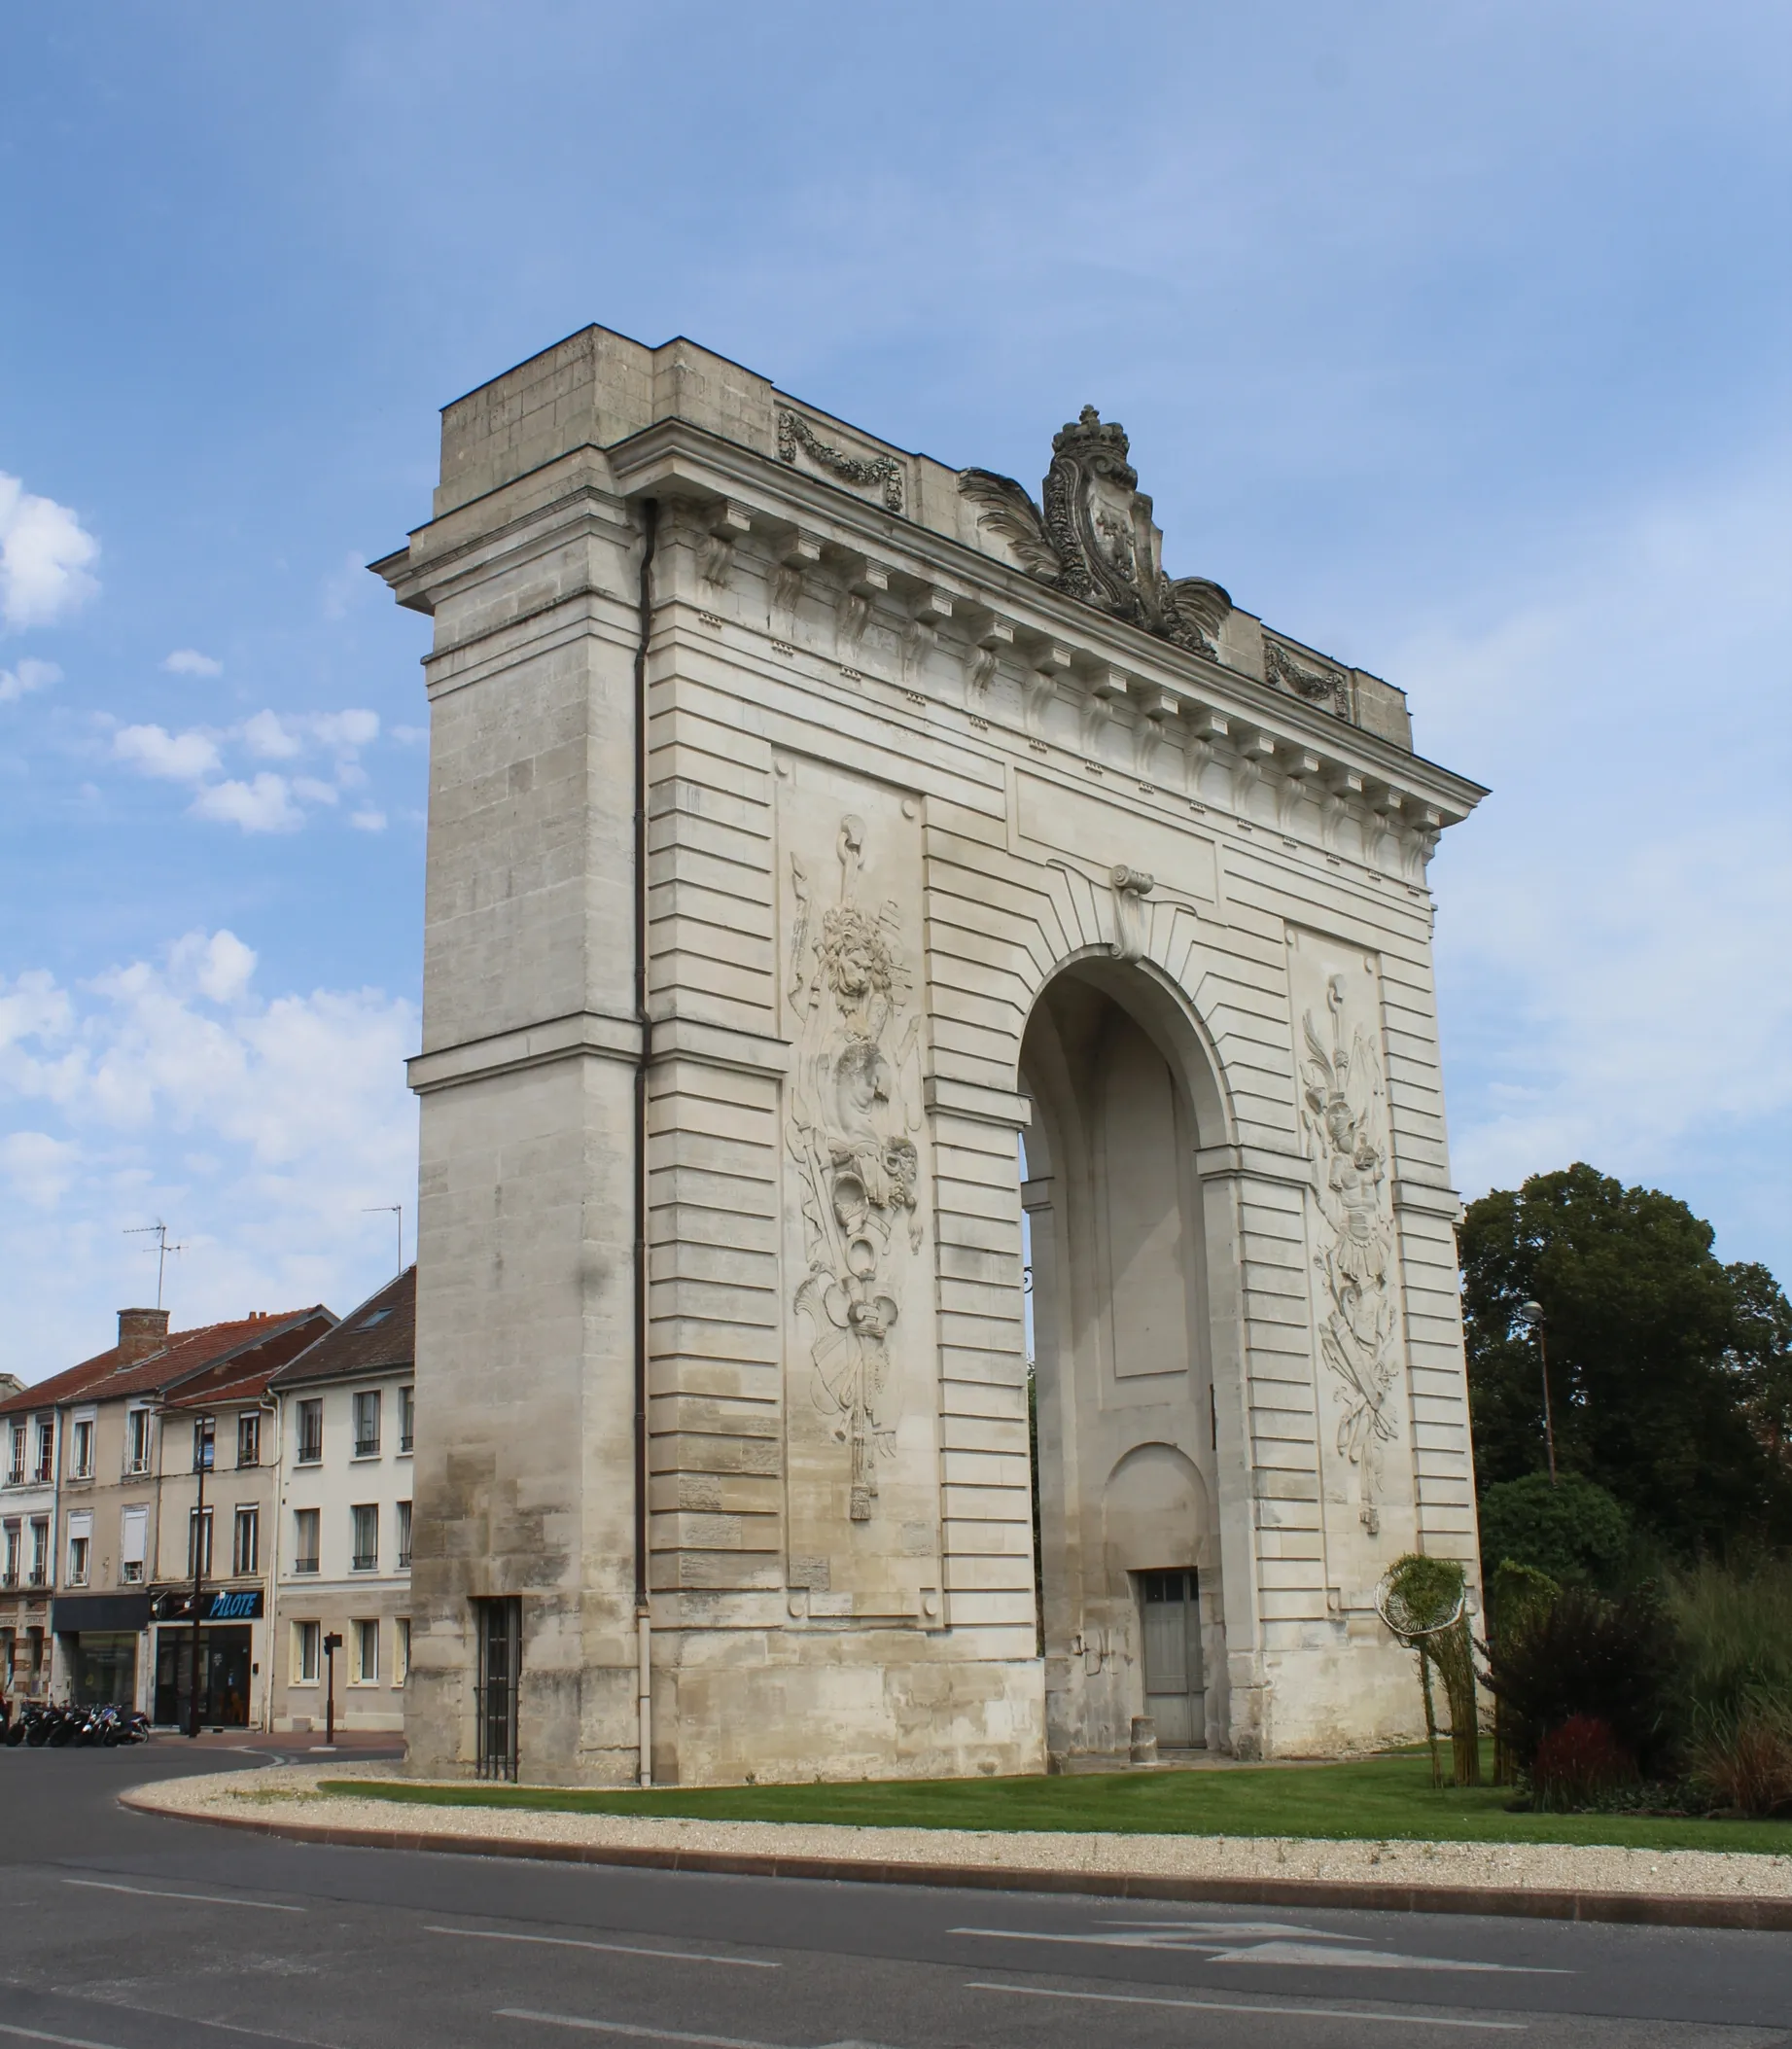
(1094, 539)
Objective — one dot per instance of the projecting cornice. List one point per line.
(853, 541)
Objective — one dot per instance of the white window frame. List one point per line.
(311, 1404)
(132, 1572)
(248, 1431)
(79, 1547)
(363, 1633)
(83, 1430)
(307, 1637)
(367, 1397)
(139, 1443)
(245, 1560)
(301, 1570)
(192, 1522)
(356, 1554)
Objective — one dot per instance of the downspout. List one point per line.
(643, 1624)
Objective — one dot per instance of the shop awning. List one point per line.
(71, 1613)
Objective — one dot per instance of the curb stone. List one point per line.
(1689, 1910)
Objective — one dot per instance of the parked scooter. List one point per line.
(43, 1725)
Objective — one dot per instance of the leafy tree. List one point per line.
(1665, 1381)
(1573, 1531)
(1760, 1358)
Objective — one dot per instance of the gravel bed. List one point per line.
(288, 1793)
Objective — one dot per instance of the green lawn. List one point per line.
(1377, 1798)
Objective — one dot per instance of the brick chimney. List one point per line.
(141, 1331)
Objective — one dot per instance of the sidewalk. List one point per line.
(1682, 1888)
(350, 1742)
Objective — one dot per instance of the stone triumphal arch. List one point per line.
(845, 871)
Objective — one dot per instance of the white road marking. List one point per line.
(1369, 1959)
(210, 1899)
(1211, 1948)
(68, 2041)
(647, 2034)
(620, 1949)
(1294, 2013)
(1232, 1930)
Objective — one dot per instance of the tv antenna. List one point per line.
(394, 1209)
(159, 1231)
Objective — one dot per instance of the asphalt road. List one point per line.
(129, 1932)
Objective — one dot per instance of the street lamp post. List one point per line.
(332, 1643)
(1533, 1316)
(205, 1442)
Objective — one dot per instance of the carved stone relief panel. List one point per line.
(1341, 1089)
(860, 1344)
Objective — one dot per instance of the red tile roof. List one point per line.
(233, 1351)
(379, 1336)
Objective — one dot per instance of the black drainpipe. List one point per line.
(649, 519)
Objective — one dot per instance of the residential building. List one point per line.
(347, 1425)
(30, 1463)
(118, 1504)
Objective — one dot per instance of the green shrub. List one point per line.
(1610, 1660)
(1424, 1607)
(1571, 1529)
(1734, 1630)
(1518, 1597)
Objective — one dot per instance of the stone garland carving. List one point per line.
(1356, 1331)
(794, 431)
(854, 1100)
(1327, 687)
(1094, 539)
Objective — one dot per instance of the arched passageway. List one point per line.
(1122, 1096)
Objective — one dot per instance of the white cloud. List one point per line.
(30, 675)
(1610, 978)
(368, 821)
(182, 758)
(409, 735)
(344, 732)
(188, 661)
(266, 802)
(269, 737)
(263, 806)
(39, 1167)
(46, 557)
(219, 965)
(260, 1130)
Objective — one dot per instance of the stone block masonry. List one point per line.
(1016, 915)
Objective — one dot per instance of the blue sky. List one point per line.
(1453, 340)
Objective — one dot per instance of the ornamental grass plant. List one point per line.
(1734, 1683)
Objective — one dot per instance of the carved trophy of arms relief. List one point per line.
(854, 1109)
(1342, 1103)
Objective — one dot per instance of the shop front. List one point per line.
(228, 1666)
(99, 1636)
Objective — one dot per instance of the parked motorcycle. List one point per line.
(44, 1725)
